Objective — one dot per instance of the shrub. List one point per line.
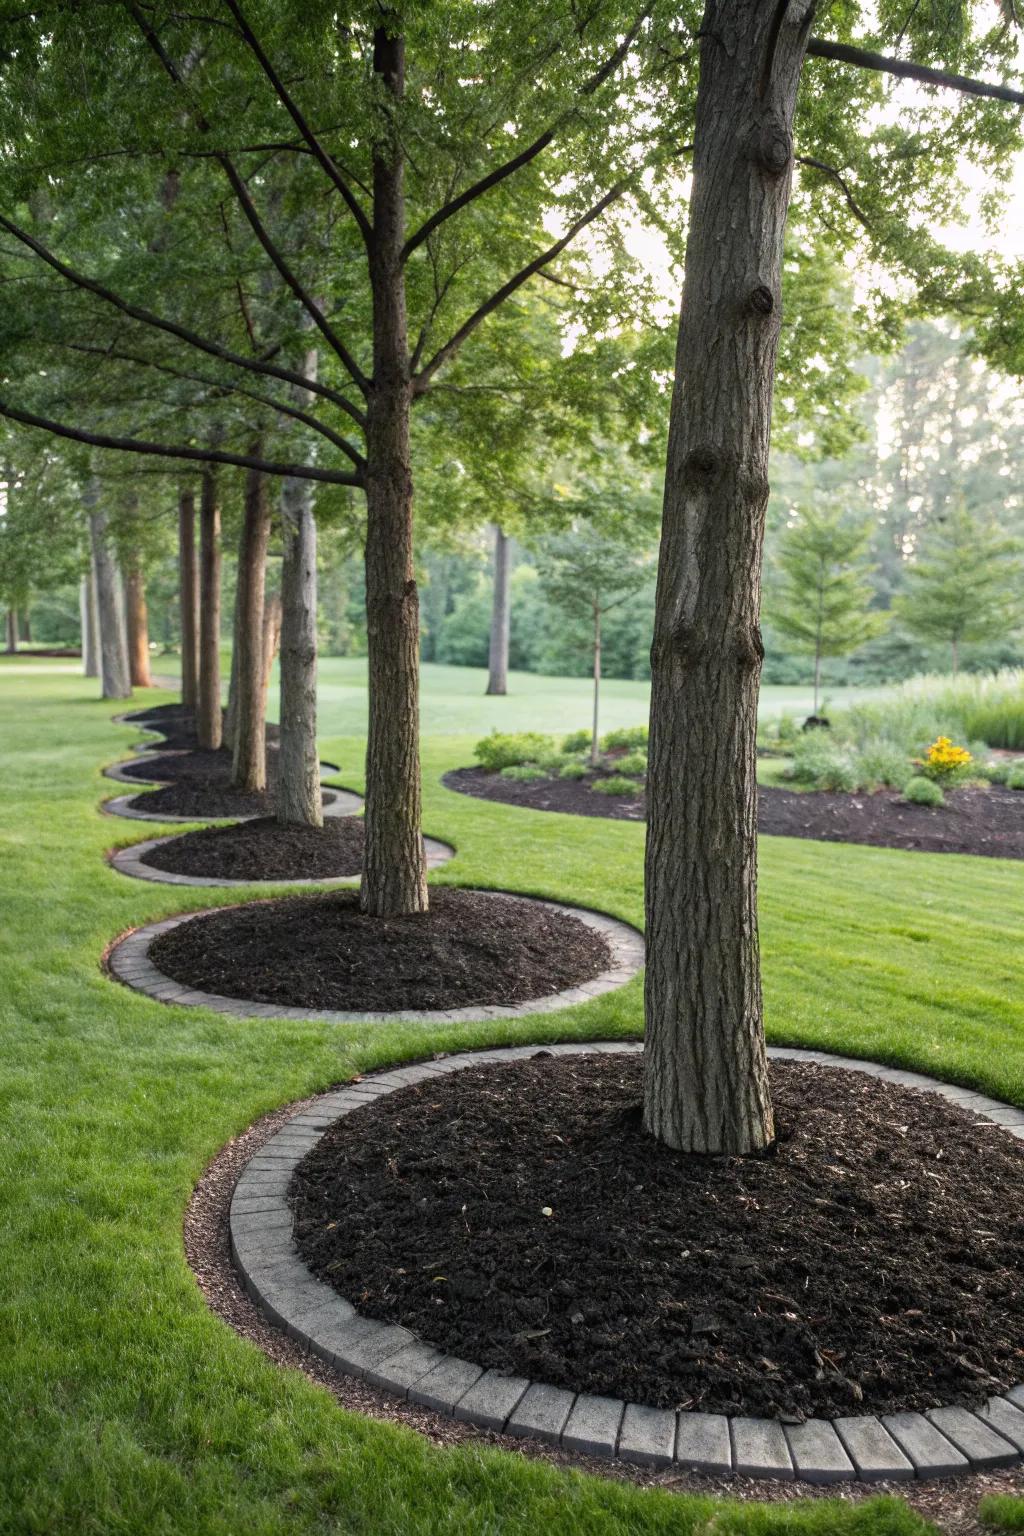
(525, 773)
(945, 762)
(820, 763)
(922, 791)
(615, 785)
(880, 764)
(579, 741)
(628, 736)
(571, 769)
(508, 750)
(989, 709)
(1015, 778)
(632, 764)
(995, 771)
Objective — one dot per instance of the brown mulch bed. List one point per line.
(203, 798)
(518, 1216)
(979, 821)
(190, 764)
(265, 850)
(471, 948)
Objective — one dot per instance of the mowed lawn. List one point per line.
(125, 1406)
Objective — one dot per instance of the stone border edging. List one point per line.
(128, 961)
(943, 1442)
(345, 803)
(130, 861)
(117, 771)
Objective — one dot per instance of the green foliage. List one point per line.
(631, 764)
(985, 709)
(965, 585)
(511, 749)
(922, 791)
(878, 764)
(624, 736)
(615, 784)
(819, 762)
(526, 773)
(1002, 1512)
(1015, 778)
(573, 770)
(577, 741)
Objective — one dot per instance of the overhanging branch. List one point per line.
(845, 53)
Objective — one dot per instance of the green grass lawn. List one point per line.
(125, 1405)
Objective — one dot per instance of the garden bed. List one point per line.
(473, 948)
(988, 822)
(517, 1216)
(200, 798)
(263, 849)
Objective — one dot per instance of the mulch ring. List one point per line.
(518, 1216)
(472, 948)
(188, 764)
(264, 850)
(198, 799)
(979, 821)
(178, 728)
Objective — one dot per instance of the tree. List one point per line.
(589, 576)
(822, 601)
(501, 614)
(965, 585)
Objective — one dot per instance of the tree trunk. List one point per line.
(26, 627)
(594, 754)
(298, 785)
(87, 610)
(249, 740)
(208, 717)
(501, 613)
(115, 675)
(705, 1074)
(188, 599)
(12, 631)
(271, 639)
(394, 867)
(817, 679)
(137, 619)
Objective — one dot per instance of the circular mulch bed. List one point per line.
(196, 799)
(263, 849)
(989, 822)
(473, 948)
(517, 1216)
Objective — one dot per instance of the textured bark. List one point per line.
(137, 620)
(705, 1079)
(501, 613)
(90, 628)
(394, 869)
(208, 716)
(188, 599)
(12, 631)
(115, 676)
(248, 736)
(272, 617)
(26, 628)
(298, 787)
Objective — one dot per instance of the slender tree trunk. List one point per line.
(137, 619)
(298, 786)
(594, 754)
(705, 1076)
(87, 610)
(26, 627)
(115, 675)
(12, 631)
(188, 599)
(501, 613)
(272, 617)
(231, 707)
(394, 867)
(817, 679)
(208, 718)
(249, 740)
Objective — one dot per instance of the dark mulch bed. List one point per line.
(159, 714)
(193, 765)
(203, 798)
(875, 1263)
(265, 850)
(472, 948)
(980, 821)
(177, 726)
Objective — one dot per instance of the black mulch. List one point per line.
(203, 798)
(980, 821)
(265, 850)
(517, 1216)
(472, 948)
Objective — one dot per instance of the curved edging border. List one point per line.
(345, 803)
(117, 771)
(131, 861)
(128, 960)
(943, 1442)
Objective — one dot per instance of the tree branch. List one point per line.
(146, 317)
(531, 151)
(844, 53)
(177, 451)
(837, 176)
(284, 96)
(443, 354)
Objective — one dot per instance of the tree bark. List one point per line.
(188, 599)
(501, 613)
(137, 620)
(594, 754)
(208, 717)
(115, 675)
(87, 610)
(817, 679)
(705, 1075)
(271, 639)
(248, 737)
(26, 627)
(12, 631)
(394, 867)
(298, 787)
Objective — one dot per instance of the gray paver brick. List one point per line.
(817, 1452)
(542, 1411)
(927, 1447)
(872, 1449)
(980, 1443)
(491, 1400)
(1006, 1418)
(759, 1449)
(703, 1444)
(445, 1386)
(1016, 1395)
(400, 1371)
(648, 1436)
(593, 1425)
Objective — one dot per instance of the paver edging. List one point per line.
(865, 1447)
(130, 861)
(128, 961)
(345, 803)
